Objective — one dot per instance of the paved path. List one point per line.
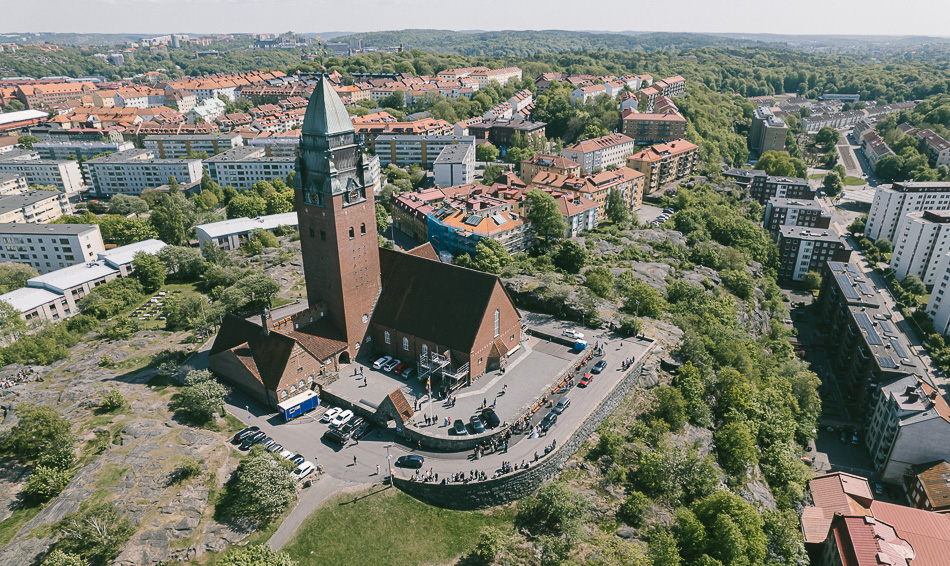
(323, 486)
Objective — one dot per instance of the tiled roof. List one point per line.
(935, 479)
(927, 532)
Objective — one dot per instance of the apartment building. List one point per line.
(545, 162)
(33, 206)
(802, 249)
(41, 95)
(768, 131)
(793, 212)
(938, 149)
(671, 87)
(121, 258)
(938, 307)
(457, 226)
(180, 146)
(601, 153)
(870, 349)
(134, 170)
(410, 211)
(230, 234)
(893, 202)
(500, 132)
(285, 144)
(65, 175)
(372, 126)
(61, 150)
(650, 128)
(664, 163)
(12, 184)
(243, 166)
(48, 247)
(455, 165)
(483, 75)
(403, 151)
(909, 425)
(922, 238)
(928, 486)
(764, 187)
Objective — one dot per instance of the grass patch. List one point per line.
(234, 424)
(280, 301)
(854, 181)
(10, 526)
(389, 528)
(110, 475)
(817, 176)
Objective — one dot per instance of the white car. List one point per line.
(341, 419)
(331, 414)
(391, 365)
(303, 470)
(573, 334)
(286, 454)
(381, 362)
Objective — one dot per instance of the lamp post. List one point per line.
(248, 409)
(389, 467)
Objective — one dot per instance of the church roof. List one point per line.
(433, 300)
(425, 250)
(326, 114)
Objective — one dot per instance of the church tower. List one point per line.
(337, 218)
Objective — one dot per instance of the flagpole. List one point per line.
(429, 392)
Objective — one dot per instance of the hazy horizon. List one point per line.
(807, 17)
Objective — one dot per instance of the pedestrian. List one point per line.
(354, 459)
(493, 402)
(364, 382)
(504, 388)
(361, 373)
(377, 469)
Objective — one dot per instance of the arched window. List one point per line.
(497, 322)
(293, 388)
(425, 352)
(405, 344)
(283, 394)
(352, 233)
(363, 229)
(386, 336)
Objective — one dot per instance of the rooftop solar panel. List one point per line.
(846, 287)
(851, 269)
(863, 287)
(899, 349)
(865, 322)
(886, 327)
(886, 362)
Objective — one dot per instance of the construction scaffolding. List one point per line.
(437, 364)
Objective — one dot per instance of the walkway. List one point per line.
(321, 488)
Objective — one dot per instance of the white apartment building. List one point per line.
(909, 425)
(48, 247)
(209, 110)
(227, 234)
(241, 167)
(521, 99)
(277, 145)
(12, 184)
(455, 165)
(892, 203)
(78, 149)
(921, 239)
(938, 307)
(131, 172)
(65, 175)
(403, 150)
(602, 152)
(33, 207)
(179, 146)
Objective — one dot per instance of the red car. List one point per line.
(400, 368)
(586, 380)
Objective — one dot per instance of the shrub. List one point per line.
(46, 483)
(113, 401)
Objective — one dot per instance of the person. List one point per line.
(504, 388)
(354, 459)
(361, 374)
(377, 469)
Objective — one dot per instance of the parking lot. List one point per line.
(648, 213)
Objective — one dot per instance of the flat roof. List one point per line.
(72, 276)
(123, 255)
(133, 156)
(296, 399)
(405, 137)
(47, 229)
(454, 153)
(28, 298)
(235, 153)
(782, 202)
(19, 116)
(806, 233)
(189, 137)
(244, 225)
(9, 203)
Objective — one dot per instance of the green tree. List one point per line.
(59, 558)
(395, 100)
(490, 256)
(570, 256)
(545, 216)
(185, 312)
(26, 141)
(556, 510)
(486, 152)
(640, 299)
(736, 448)
(662, 547)
(149, 271)
(95, 533)
(201, 398)
(491, 541)
(890, 168)
(670, 407)
(112, 401)
(884, 245)
(46, 483)
(491, 174)
(246, 206)
(173, 216)
(279, 202)
(827, 137)
(39, 432)
(780, 163)
(14, 106)
(124, 205)
(256, 555)
(689, 381)
(617, 211)
(633, 511)
(382, 219)
(260, 488)
(15, 275)
(913, 285)
(812, 280)
(600, 280)
(739, 283)
(183, 262)
(857, 227)
(172, 184)
(832, 184)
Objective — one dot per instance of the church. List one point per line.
(363, 301)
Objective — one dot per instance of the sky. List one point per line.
(838, 17)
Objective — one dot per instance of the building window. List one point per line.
(425, 352)
(311, 233)
(352, 233)
(497, 322)
(386, 337)
(363, 229)
(405, 343)
(323, 235)
(283, 394)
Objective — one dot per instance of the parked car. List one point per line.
(573, 334)
(459, 427)
(843, 439)
(407, 373)
(336, 436)
(240, 436)
(490, 418)
(477, 425)
(548, 421)
(341, 419)
(878, 488)
(275, 448)
(362, 430)
(286, 454)
(599, 366)
(267, 442)
(668, 211)
(854, 438)
(561, 405)
(381, 362)
(252, 440)
(330, 414)
(410, 461)
(586, 380)
(297, 459)
(400, 368)
(391, 365)
(303, 470)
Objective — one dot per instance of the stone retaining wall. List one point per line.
(522, 483)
